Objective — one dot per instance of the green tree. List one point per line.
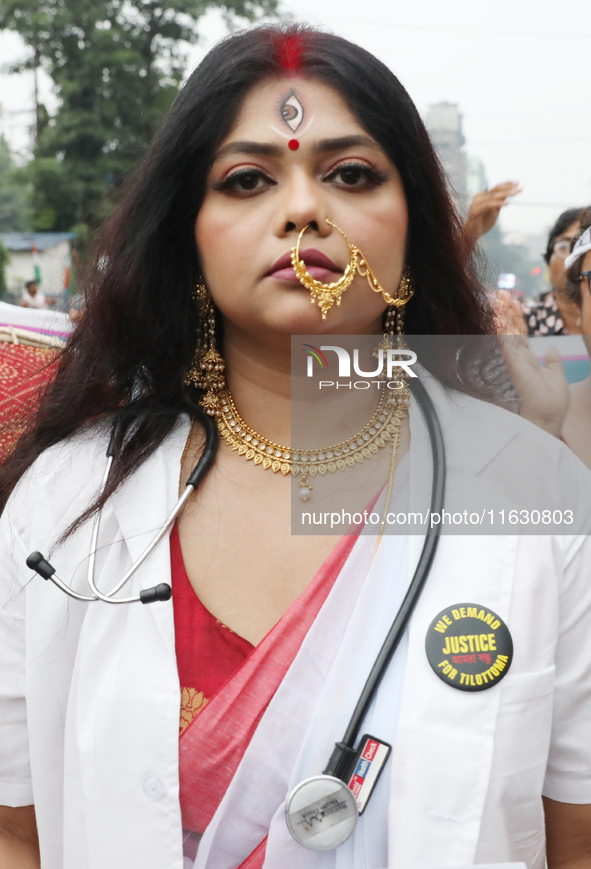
(13, 193)
(4, 257)
(116, 66)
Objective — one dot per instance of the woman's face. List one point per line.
(297, 156)
(585, 305)
(556, 270)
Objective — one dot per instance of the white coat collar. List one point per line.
(145, 500)
(133, 517)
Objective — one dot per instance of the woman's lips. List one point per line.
(318, 265)
(325, 276)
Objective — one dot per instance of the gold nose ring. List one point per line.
(328, 295)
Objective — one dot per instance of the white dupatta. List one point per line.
(310, 712)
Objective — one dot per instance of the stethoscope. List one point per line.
(37, 562)
(322, 811)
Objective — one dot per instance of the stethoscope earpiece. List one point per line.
(162, 591)
(36, 561)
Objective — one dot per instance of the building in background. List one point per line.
(511, 261)
(31, 252)
(444, 124)
(476, 179)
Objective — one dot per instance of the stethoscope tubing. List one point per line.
(203, 465)
(345, 749)
(108, 597)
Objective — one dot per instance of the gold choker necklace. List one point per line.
(384, 426)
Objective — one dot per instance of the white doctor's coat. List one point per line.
(89, 693)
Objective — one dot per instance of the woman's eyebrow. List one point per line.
(261, 149)
(342, 142)
(271, 149)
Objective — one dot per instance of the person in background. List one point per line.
(555, 313)
(546, 397)
(577, 422)
(33, 297)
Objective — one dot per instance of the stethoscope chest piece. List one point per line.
(321, 813)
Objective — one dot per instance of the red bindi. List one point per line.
(293, 144)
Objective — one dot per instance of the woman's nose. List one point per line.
(301, 204)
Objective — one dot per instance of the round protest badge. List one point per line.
(321, 813)
(469, 647)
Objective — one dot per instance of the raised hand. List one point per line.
(485, 208)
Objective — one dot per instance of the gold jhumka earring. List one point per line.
(394, 319)
(207, 370)
(328, 295)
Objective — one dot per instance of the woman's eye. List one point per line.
(356, 175)
(244, 181)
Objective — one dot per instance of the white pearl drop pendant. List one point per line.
(305, 488)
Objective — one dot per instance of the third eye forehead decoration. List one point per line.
(292, 112)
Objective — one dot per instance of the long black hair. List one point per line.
(129, 355)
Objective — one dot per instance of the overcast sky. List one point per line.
(518, 70)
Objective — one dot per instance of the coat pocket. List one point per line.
(524, 723)
(513, 819)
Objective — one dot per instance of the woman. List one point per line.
(282, 139)
(554, 314)
(578, 417)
